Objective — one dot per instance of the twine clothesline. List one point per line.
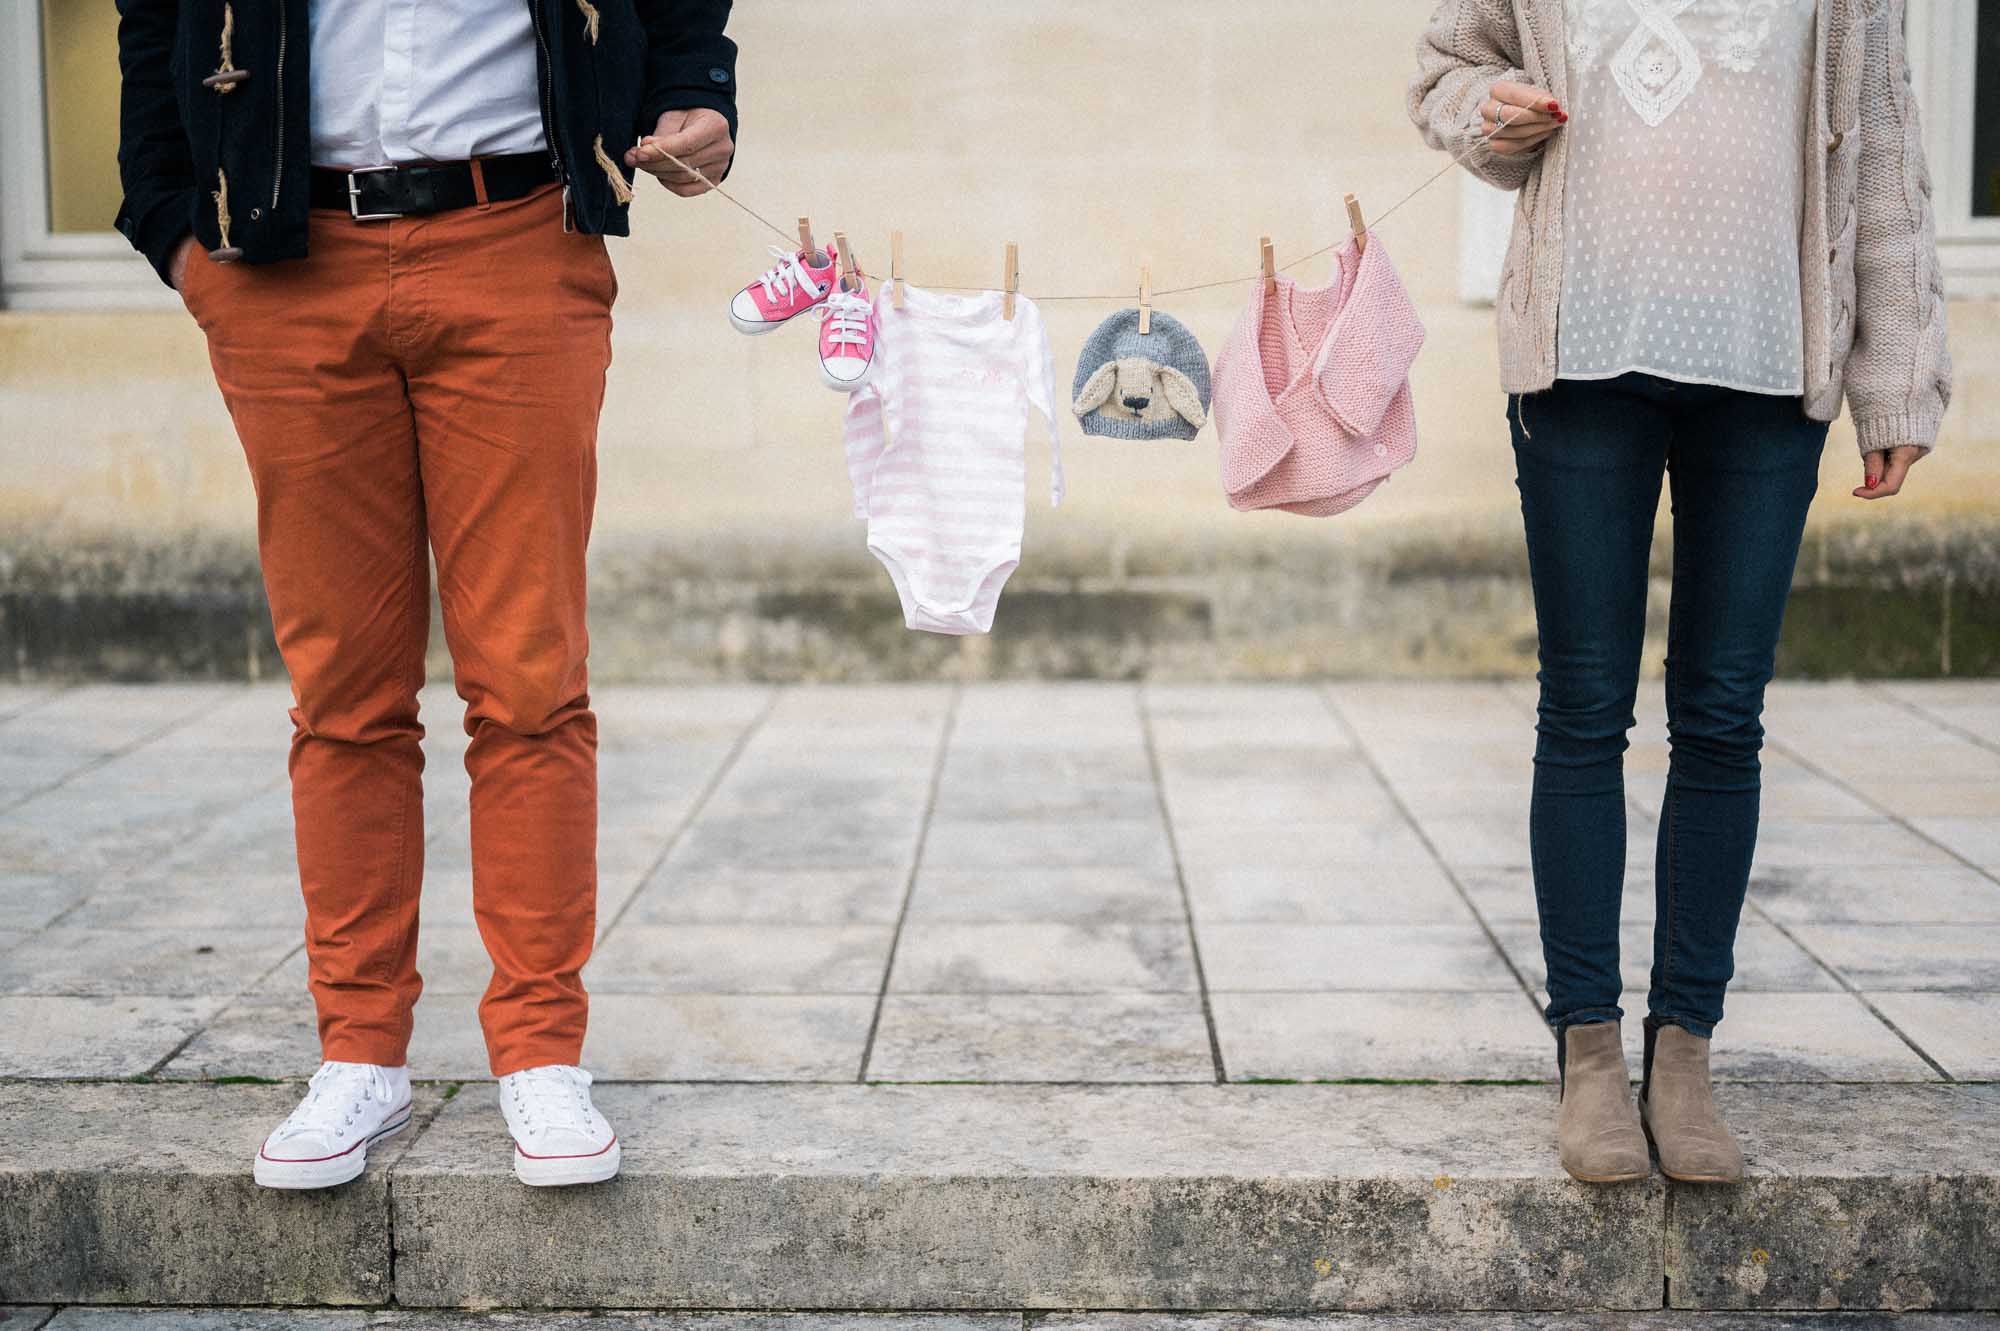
(788, 237)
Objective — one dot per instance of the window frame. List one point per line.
(1968, 246)
(41, 268)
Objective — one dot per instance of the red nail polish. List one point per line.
(1873, 481)
(1554, 107)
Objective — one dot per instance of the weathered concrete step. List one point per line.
(291, 1319)
(120, 1193)
(1010, 1197)
(1409, 599)
(1003, 1197)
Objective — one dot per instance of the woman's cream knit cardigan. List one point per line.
(1868, 272)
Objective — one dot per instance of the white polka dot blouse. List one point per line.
(1685, 194)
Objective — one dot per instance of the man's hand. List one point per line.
(178, 268)
(1882, 473)
(699, 138)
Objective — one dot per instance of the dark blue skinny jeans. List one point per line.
(1741, 470)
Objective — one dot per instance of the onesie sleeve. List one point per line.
(866, 442)
(1039, 370)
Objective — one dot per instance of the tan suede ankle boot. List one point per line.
(1678, 1107)
(1597, 1132)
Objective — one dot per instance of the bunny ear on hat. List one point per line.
(1183, 396)
(1096, 390)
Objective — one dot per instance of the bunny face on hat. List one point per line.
(1137, 389)
(1133, 385)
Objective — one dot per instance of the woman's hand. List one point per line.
(1518, 118)
(1882, 472)
(699, 137)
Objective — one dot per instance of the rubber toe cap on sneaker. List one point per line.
(846, 371)
(557, 1144)
(743, 312)
(309, 1160)
(306, 1147)
(564, 1159)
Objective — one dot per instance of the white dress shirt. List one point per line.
(1686, 191)
(397, 81)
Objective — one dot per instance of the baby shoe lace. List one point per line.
(552, 1097)
(788, 272)
(846, 317)
(334, 1098)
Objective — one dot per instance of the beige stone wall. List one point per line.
(1094, 135)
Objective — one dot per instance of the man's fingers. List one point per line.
(650, 151)
(686, 152)
(689, 142)
(709, 163)
(704, 149)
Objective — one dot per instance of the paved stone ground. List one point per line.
(1032, 882)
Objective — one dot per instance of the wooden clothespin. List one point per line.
(896, 269)
(1012, 284)
(806, 237)
(1359, 227)
(850, 268)
(1145, 299)
(1270, 259)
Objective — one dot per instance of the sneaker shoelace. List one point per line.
(553, 1098)
(788, 272)
(334, 1100)
(845, 315)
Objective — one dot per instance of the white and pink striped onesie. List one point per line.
(936, 449)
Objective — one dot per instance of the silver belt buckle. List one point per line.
(354, 196)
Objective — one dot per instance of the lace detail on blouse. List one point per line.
(1655, 62)
(1686, 191)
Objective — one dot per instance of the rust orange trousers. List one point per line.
(430, 386)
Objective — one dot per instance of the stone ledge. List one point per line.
(1901, 1209)
(1285, 1198)
(1870, 599)
(122, 1193)
(1035, 1197)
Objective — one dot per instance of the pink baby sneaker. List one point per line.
(790, 287)
(847, 336)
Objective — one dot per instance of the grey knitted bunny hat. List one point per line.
(1131, 385)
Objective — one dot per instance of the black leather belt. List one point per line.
(379, 193)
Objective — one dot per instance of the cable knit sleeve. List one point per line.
(1469, 46)
(1899, 370)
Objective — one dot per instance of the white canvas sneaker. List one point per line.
(348, 1108)
(559, 1137)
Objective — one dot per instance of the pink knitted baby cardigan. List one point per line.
(1312, 393)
